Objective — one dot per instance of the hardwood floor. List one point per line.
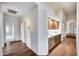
(66, 48)
(17, 49)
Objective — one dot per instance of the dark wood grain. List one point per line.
(17, 48)
(66, 48)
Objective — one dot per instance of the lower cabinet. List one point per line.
(53, 41)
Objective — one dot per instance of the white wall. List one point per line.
(62, 17)
(12, 19)
(71, 16)
(32, 32)
(67, 27)
(42, 32)
(71, 28)
(1, 31)
(26, 29)
(38, 19)
(38, 31)
(77, 40)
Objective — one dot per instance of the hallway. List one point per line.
(66, 48)
(17, 48)
(39, 27)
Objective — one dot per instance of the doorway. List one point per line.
(23, 32)
(9, 32)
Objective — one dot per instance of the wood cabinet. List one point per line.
(53, 41)
(53, 24)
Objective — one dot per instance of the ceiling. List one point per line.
(69, 7)
(23, 7)
(20, 7)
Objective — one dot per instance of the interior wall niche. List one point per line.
(52, 24)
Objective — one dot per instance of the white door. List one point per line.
(9, 32)
(23, 32)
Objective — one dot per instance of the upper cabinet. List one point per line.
(53, 24)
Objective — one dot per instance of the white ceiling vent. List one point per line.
(12, 11)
